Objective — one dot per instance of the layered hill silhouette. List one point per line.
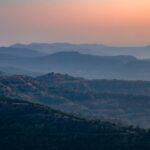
(81, 65)
(93, 49)
(32, 126)
(120, 101)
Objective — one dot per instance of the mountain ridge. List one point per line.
(82, 65)
(97, 49)
(33, 126)
(108, 99)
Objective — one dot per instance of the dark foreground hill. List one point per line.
(125, 101)
(25, 126)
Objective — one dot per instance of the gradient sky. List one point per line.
(111, 22)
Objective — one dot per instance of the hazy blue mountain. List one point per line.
(14, 61)
(25, 125)
(96, 49)
(59, 47)
(83, 65)
(23, 52)
(125, 101)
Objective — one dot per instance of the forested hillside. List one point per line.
(25, 125)
(120, 101)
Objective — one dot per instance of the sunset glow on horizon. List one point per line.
(111, 22)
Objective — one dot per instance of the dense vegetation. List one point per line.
(125, 101)
(25, 125)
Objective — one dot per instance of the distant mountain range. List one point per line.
(94, 49)
(119, 101)
(122, 67)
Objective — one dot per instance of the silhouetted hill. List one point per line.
(25, 125)
(81, 65)
(95, 67)
(126, 101)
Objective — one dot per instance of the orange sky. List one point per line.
(111, 22)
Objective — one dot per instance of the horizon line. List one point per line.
(74, 43)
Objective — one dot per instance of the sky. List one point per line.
(110, 22)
